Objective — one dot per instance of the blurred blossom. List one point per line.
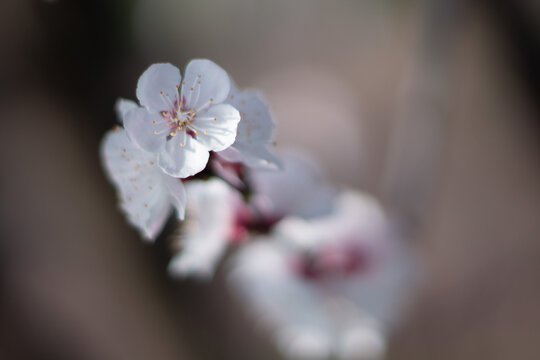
(254, 135)
(182, 121)
(328, 286)
(299, 189)
(217, 214)
(210, 215)
(146, 193)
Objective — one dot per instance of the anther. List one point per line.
(155, 132)
(172, 133)
(211, 99)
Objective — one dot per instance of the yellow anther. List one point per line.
(155, 132)
(177, 86)
(198, 83)
(195, 131)
(204, 132)
(198, 76)
(161, 93)
(214, 119)
(172, 133)
(181, 144)
(183, 83)
(190, 89)
(211, 99)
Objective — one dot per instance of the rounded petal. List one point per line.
(300, 189)
(231, 154)
(155, 83)
(217, 126)
(210, 220)
(183, 156)
(141, 127)
(258, 157)
(122, 106)
(178, 195)
(210, 83)
(139, 182)
(257, 124)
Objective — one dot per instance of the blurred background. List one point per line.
(433, 106)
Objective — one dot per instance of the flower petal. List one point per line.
(214, 83)
(147, 130)
(217, 126)
(256, 125)
(183, 161)
(155, 83)
(122, 106)
(258, 156)
(231, 154)
(139, 182)
(210, 220)
(300, 189)
(178, 195)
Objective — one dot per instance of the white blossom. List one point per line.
(146, 193)
(205, 232)
(182, 121)
(331, 291)
(300, 188)
(254, 135)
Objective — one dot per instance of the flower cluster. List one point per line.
(316, 264)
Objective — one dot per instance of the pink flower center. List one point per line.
(334, 261)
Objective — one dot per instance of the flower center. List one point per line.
(342, 261)
(178, 118)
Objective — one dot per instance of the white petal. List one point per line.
(139, 182)
(214, 83)
(299, 189)
(177, 192)
(362, 342)
(355, 217)
(256, 125)
(205, 232)
(147, 130)
(122, 106)
(183, 161)
(231, 154)
(217, 126)
(258, 157)
(155, 83)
